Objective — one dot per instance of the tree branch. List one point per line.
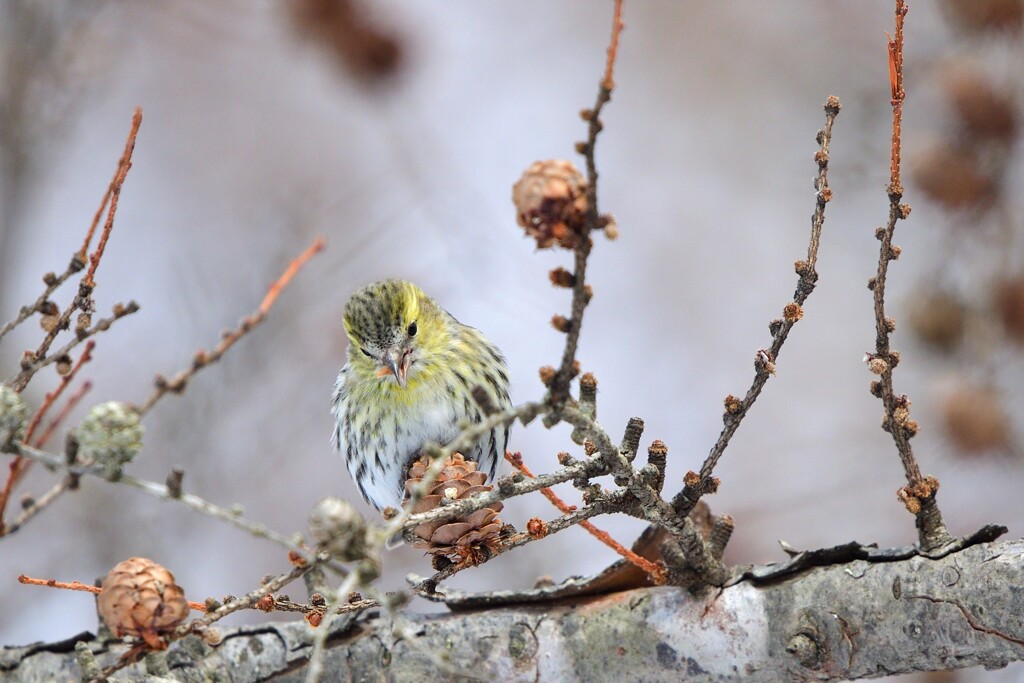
(856, 619)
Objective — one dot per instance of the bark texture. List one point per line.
(858, 619)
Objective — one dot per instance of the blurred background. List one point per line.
(396, 129)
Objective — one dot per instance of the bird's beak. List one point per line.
(397, 362)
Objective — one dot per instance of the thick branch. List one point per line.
(853, 620)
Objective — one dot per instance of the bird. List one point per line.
(410, 372)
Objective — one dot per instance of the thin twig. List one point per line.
(919, 494)
(79, 260)
(178, 383)
(55, 394)
(113, 194)
(83, 299)
(608, 82)
(57, 490)
(656, 573)
(617, 502)
(53, 283)
(39, 504)
(765, 359)
(34, 366)
(248, 600)
(283, 605)
(36, 506)
(231, 516)
(69, 405)
(580, 291)
(505, 490)
(315, 667)
(84, 587)
(651, 507)
(199, 625)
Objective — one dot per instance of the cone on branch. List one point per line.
(13, 418)
(551, 203)
(471, 537)
(139, 598)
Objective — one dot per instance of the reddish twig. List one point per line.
(895, 48)
(919, 494)
(55, 394)
(19, 466)
(69, 405)
(112, 195)
(78, 586)
(619, 501)
(79, 259)
(288, 274)
(608, 82)
(83, 299)
(179, 382)
(656, 572)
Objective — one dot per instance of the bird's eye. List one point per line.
(366, 353)
(412, 329)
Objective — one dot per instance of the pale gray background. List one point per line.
(254, 141)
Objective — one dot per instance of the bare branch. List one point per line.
(177, 384)
(581, 291)
(765, 359)
(919, 494)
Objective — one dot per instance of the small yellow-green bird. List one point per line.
(408, 380)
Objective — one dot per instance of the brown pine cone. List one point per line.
(975, 419)
(938, 317)
(551, 203)
(978, 16)
(468, 537)
(139, 598)
(1009, 302)
(952, 176)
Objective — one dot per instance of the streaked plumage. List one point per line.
(411, 367)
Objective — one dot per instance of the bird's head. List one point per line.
(391, 325)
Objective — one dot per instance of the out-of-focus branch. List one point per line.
(232, 516)
(20, 466)
(79, 260)
(30, 366)
(53, 283)
(113, 194)
(179, 382)
(34, 506)
(83, 299)
(73, 400)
